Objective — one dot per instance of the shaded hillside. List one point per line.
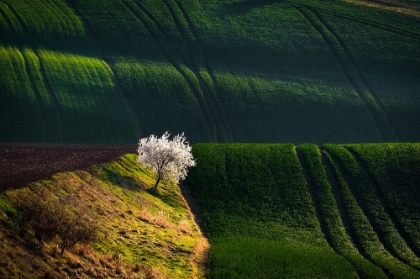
(109, 71)
(335, 211)
(141, 233)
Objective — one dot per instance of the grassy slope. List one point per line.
(249, 71)
(140, 233)
(275, 207)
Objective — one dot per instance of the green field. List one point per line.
(334, 211)
(111, 71)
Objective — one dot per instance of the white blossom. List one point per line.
(168, 159)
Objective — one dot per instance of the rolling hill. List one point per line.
(330, 211)
(141, 233)
(111, 71)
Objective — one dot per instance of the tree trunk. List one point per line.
(157, 182)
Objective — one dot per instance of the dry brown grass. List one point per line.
(198, 258)
(160, 221)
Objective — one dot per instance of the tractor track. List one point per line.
(375, 110)
(207, 89)
(209, 121)
(219, 97)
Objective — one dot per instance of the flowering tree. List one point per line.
(168, 159)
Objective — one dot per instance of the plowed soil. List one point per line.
(22, 163)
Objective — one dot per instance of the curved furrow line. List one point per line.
(325, 205)
(209, 123)
(130, 110)
(8, 20)
(342, 196)
(382, 111)
(29, 75)
(364, 21)
(206, 88)
(340, 61)
(383, 203)
(309, 181)
(35, 88)
(221, 103)
(48, 86)
(375, 111)
(162, 30)
(371, 227)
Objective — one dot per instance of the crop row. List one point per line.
(329, 212)
(366, 239)
(397, 58)
(395, 164)
(280, 70)
(67, 97)
(57, 27)
(237, 72)
(276, 197)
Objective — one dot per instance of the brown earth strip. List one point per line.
(22, 163)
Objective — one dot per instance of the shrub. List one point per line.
(48, 218)
(75, 228)
(24, 201)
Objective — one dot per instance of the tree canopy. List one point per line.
(168, 159)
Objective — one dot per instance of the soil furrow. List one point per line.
(395, 4)
(24, 163)
(208, 121)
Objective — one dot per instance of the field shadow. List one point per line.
(125, 182)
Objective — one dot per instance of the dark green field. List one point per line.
(335, 211)
(111, 71)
